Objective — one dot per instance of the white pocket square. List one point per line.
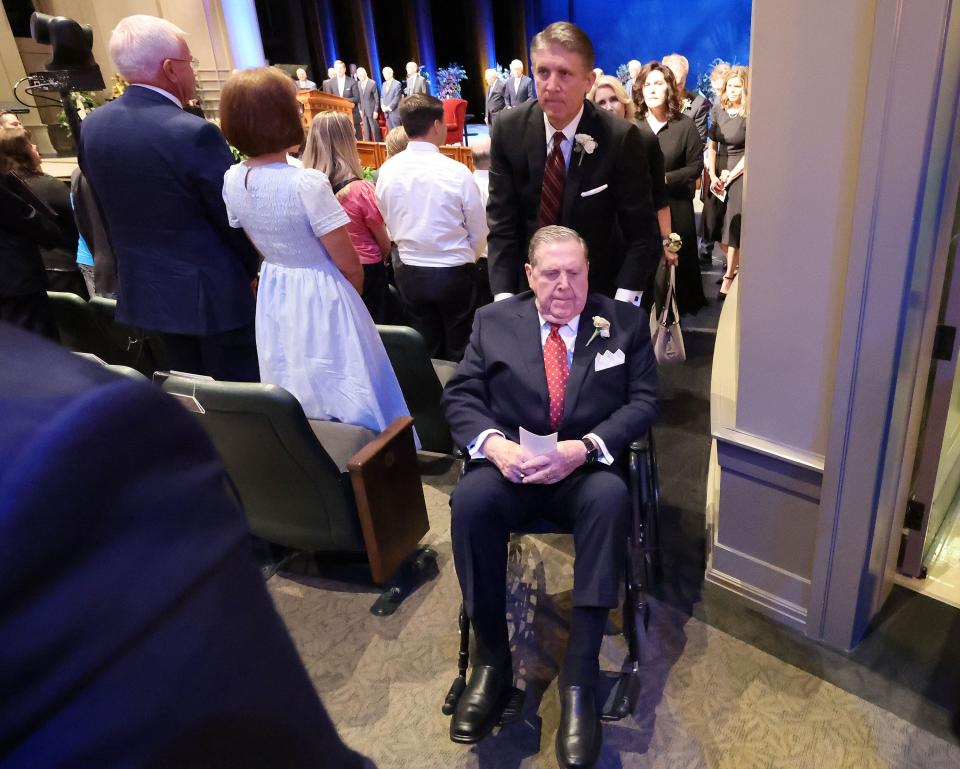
(594, 191)
(608, 359)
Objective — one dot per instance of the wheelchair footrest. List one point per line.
(623, 697)
(453, 696)
(514, 706)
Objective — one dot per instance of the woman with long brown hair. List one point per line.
(19, 154)
(332, 149)
(659, 116)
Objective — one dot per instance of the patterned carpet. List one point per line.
(707, 700)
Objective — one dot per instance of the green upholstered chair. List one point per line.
(421, 381)
(317, 487)
(78, 328)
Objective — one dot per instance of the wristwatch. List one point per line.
(593, 450)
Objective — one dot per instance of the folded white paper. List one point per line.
(608, 359)
(537, 445)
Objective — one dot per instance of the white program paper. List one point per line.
(537, 445)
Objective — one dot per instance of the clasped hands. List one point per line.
(517, 466)
(718, 183)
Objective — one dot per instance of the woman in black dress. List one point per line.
(658, 112)
(725, 164)
(609, 94)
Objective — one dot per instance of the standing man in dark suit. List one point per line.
(518, 88)
(390, 98)
(140, 633)
(345, 86)
(369, 104)
(537, 361)
(495, 103)
(560, 160)
(416, 83)
(157, 171)
(692, 103)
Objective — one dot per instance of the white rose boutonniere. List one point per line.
(601, 327)
(584, 143)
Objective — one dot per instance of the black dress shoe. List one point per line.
(481, 704)
(579, 737)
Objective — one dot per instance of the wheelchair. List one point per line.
(642, 566)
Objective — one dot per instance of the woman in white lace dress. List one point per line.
(315, 337)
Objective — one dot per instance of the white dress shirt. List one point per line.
(432, 208)
(340, 83)
(162, 92)
(482, 178)
(568, 333)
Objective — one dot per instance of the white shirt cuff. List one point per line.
(474, 448)
(626, 295)
(502, 295)
(604, 458)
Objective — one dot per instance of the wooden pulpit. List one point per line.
(316, 101)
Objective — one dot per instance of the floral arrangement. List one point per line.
(623, 74)
(448, 81)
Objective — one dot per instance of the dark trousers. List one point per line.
(441, 302)
(484, 295)
(593, 502)
(230, 356)
(375, 291)
(31, 312)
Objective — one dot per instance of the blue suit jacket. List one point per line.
(135, 630)
(501, 382)
(157, 173)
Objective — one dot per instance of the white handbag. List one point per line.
(665, 334)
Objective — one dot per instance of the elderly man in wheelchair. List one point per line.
(553, 360)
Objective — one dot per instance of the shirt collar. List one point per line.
(569, 130)
(161, 91)
(422, 146)
(573, 323)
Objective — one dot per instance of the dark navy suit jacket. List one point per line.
(135, 630)
(157, 172)
(501, 382)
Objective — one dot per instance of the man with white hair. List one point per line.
(495, 102)
(416, 83)
(157, 172)
(633, 69)
(369, 104)
(390, 98)
(519, 87)
(302, 82)
(692, 104)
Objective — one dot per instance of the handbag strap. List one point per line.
(670, 302)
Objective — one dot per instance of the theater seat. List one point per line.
(78, 328)
(421, 381)
(319, 488)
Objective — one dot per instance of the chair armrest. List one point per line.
(378, 444)
(389, 496)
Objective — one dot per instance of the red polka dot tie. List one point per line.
(555, 364)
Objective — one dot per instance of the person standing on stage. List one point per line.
(390, 98)
(518, 88)
(369, 104)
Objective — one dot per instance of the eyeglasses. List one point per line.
(193, 60)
